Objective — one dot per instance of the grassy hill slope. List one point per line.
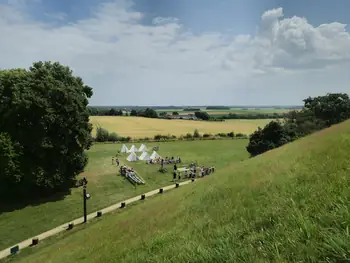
(290, 204)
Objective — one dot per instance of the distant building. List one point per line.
(182, 117)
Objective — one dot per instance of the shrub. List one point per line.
(188, 136)
(157, 137)
(207, 135)
(101, 134)
(231, 134)
(221, 134)
(173, 136)
(113, 137)
(196, 134)
(240, 135)
(272, 136)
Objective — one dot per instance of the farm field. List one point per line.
(107, 188)
(138, 127)
(286, 205)
(228, 111)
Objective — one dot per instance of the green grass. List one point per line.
(288, 205)
(107, 188)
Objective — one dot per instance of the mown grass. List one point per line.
(107, 188)
(291, 204)
(138, 127)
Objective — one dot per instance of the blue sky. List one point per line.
(241, 52)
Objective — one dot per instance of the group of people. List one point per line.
(162, 161)
(124, 170)
(192, 172)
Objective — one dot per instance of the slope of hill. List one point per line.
(289, 204)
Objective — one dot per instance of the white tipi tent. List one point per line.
(132, 157)
(144, 156)
(154, 155)
(143, 148)
(124, 149)
(133, 149)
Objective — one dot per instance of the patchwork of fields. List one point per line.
(228, 111)
(138, 127)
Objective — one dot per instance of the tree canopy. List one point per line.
(44, 129)
(318, 113)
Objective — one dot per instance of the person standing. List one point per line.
(174, 175)
(112, 160)
(117, 162)
(175, 167)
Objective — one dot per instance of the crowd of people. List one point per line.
(124, 170)
(192, 172)
(162, 161)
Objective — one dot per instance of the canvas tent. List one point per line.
(133, 149)
(124, 149)
(132, 157)
(144, 156)
(154, 155)
(143, 148)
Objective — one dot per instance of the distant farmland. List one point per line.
(228, 111)
(137, 127)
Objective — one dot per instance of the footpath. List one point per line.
(29, 242)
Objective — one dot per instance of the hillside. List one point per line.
(289, 204)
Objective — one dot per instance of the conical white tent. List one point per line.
(154, 155)
(124, 149)
(133, 149)
(132, 157)
(143, 148)
(144, 156)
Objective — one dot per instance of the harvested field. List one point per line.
(137, 127)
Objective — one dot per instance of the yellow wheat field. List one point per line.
(137, 127)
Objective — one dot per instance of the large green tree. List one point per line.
(45, 125)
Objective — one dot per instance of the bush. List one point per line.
(240, 135)
(157, 137)
(188, 136)
(113, 137)
(196, 134)
(221, 134)
(125, 139)
(272, 136)
(101, 134)
(207, 135)
(231, 134)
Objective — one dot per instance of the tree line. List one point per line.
(44, 130)
(318, 113)
(203, 115)
(103, 135)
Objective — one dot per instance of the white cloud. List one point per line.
(127, 62)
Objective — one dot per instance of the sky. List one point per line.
(185, 52)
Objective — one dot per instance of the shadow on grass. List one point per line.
(10, 206)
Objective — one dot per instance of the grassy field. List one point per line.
(288, 205)
(107, 188)
(137, 127)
